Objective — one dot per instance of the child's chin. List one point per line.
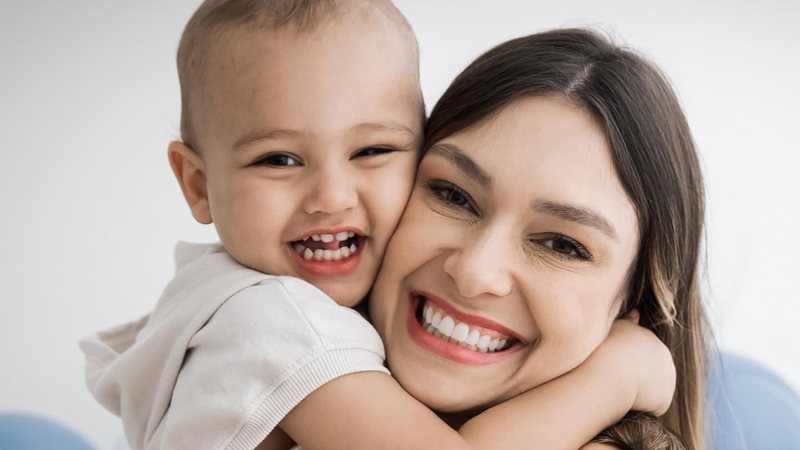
(347, 297)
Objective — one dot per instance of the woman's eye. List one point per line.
(372, 151)
(565, 247)
(451, 195)
(279, 160)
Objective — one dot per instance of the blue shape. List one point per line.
(31, 432)
(750, 408)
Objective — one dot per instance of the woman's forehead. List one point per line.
(543, 149)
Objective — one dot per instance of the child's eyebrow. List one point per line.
(264, 135)
(381, 126)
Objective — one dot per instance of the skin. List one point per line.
(301, 133)
(326, 141)
(494, 251)
(491, 255)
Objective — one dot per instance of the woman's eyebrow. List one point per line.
(577, 214)
(468, 165)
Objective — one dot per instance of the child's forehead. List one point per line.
(289, 76)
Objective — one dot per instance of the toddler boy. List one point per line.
(301, 122)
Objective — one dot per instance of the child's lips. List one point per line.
(329, 252)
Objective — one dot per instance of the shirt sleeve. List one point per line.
(264, 350)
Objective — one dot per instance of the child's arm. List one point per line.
(371, 410)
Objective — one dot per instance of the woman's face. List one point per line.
(508, 266)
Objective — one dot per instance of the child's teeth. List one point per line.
(337, 255)
(502, 344)
(299, 248)
(318, 254)
(308, 254)
(326, 238)
(493, 344)
(353, 248)
(315, 237)
(345, 251)
(342, 236)
(351, 234)
(327, 255)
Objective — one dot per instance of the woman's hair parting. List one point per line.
(654, 156)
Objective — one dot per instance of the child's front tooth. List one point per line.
(327, 255)
(326, 238)
(337, 255)
(318, 254)
(315, 237)
(341, 236)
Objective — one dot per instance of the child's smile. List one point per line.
(334, 252)
(306, 166)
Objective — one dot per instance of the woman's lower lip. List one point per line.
(449, 350)
(328, 268)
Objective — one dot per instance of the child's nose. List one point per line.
(331, 193)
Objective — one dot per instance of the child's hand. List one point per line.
(643, 361)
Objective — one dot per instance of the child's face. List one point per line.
(311, 136)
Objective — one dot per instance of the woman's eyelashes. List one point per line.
(455, 198)
(563, 247)
(451, 196)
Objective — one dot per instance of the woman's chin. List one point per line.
(439, 391)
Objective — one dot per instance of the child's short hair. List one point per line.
(216, 17)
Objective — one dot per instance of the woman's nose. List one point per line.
(332, 191)
(481, 267)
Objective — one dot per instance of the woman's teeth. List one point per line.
(445, 327)
(346, 241)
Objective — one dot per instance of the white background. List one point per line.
(89, 100)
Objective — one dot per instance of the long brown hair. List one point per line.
(655, 159)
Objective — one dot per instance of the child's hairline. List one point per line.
(209, 28)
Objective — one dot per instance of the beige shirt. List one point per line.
(224, 356)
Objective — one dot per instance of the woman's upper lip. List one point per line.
(469, 319)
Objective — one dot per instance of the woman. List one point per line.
(559, 189)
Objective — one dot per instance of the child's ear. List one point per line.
(190, 172)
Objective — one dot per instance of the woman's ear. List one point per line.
(189, 170)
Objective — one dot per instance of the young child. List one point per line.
(301, 125)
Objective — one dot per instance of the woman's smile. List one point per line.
(437, 326)
(505, 272)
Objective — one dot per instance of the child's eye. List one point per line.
(564, 247)
(372, 151)
(279, 160)
(451, 196)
